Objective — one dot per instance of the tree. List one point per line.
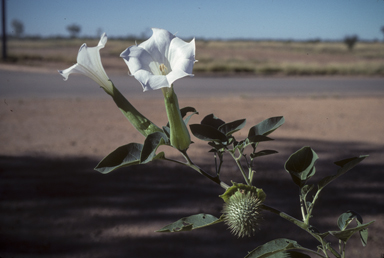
(382, 30)
(350, 41)
(99, 31)
(73, 30)
(18, 28)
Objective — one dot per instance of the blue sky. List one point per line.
(251, 19)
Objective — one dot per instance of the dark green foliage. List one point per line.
(191, 222)
(301, 165)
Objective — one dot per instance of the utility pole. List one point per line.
(4, 30)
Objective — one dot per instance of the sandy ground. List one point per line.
(54, 205)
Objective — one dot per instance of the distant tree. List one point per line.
(18, 28)
(99, 31)
(351, 41)
(73, 30)
(382, 30)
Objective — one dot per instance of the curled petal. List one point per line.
(89, 64)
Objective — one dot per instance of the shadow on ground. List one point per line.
(61, 207)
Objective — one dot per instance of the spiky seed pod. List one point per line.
(242, 213)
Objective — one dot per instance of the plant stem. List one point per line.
(221, 163)
(303, 226)
(251, 173)
(302, 210)
(310, 209)
(285, 216)
(343, 252)
(190, 164)
(237, 160)
(140, 122)
(333, 251)
(311, 251)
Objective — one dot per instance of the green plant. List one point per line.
(242, 202)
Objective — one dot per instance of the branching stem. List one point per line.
(190, 164)
(238, 163)
(303, 226)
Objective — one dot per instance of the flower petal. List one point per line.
(89, 64)
(181, 58)
(175, 75)
(73, 69)
(150, 81)
(158, 44)
(181, 50)
(138, 58)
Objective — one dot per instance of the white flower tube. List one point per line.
(89, 64)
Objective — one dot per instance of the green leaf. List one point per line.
(151, 143)
(258, 138)
(301, 165)
(267, 126)
(207, 133)
(123, 156)
(323, 235)
(184, 112)
(273, 247)
(346, 218)
(346, 234)
(345, 165)
(364, 236)
(289, 254)
(232, 127)
(192, 222)
(262, 153)
(212, 120)
(167, 131)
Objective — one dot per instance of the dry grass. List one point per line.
(224, 57)
(290, 58)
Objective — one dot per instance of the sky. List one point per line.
(209, 19)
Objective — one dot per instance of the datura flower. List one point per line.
(161, 60)
(89, 64)
(156, 64)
